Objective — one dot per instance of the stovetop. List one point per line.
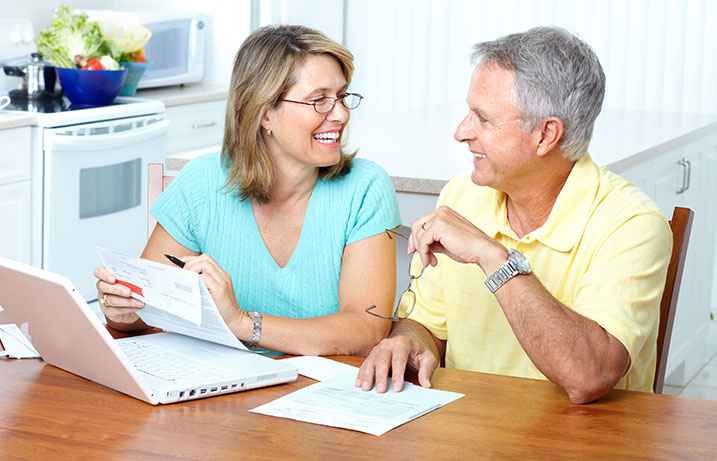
(45, 106)
(60, 112)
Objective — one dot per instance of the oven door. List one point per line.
(95, 192)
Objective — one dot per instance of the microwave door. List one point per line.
(95, 194)
(168, 49)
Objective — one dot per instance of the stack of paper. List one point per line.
(337, 402)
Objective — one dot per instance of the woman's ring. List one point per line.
(423, 226)
(104, 300)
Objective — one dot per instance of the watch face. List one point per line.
(520, 261)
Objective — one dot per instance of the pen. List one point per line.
(175, 260)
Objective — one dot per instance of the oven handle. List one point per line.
(107, 141)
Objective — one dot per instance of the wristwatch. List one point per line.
(256, 331)
(515, 265)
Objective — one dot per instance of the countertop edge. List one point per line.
(9, 120)
(182, 95)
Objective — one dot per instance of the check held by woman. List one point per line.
(284, 227)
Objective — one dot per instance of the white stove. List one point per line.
(89, 173)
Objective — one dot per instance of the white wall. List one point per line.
(325, 15)
(657, 54)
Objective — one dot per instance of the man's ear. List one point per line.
(551, 131)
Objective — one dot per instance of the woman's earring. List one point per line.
(268, 132)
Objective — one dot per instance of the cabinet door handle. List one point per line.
(197, 126)
(686, 167)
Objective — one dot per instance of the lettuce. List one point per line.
(71, 40)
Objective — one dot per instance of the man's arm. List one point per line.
(409, 344)
(569, 349)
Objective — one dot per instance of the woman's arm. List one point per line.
(368, 276)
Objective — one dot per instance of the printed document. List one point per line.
(338, 403)
(175, 299)
(319, 368)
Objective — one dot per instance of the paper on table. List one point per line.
(320, 368)
(337, 402)
(165, 287)
(206, 322)
(16, 344)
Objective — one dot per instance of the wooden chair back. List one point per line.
(681, 224)
(156, 183)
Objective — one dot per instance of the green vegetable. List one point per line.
(71, 40)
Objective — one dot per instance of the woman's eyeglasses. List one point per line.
(324, 105)
(408, 296)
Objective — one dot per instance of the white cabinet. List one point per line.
(15, 194)
(195, 126)
(685, 176)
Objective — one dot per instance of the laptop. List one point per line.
(157, 368)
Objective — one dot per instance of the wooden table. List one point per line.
(47, 413)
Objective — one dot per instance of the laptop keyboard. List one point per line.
(166, 365)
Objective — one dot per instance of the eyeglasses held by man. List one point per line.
(408, 296)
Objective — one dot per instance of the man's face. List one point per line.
(502, 151)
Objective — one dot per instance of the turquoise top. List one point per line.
(201, 216)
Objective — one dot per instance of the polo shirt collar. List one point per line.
(567, 219)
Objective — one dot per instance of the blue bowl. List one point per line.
(91, 87)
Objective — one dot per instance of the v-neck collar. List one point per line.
(265, 251)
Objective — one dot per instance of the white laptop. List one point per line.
(156, 368)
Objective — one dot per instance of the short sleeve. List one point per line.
(374, 207)
(182, 207)
(622, 288)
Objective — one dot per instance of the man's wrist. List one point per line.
(494, 259)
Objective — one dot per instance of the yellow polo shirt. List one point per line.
(603, 252)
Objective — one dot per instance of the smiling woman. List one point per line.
(285, 228)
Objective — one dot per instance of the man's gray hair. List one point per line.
(556, 75)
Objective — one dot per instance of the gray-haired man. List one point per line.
(545, 266)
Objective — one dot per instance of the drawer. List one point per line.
(195, 125)
(14, 155)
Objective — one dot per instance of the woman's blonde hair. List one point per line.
(264, 70)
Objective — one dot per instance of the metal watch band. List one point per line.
(256, 329)
(504, 273)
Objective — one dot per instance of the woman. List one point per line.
(283, 222)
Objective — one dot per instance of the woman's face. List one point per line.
(301, 137)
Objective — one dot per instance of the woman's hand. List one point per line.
(220, 286)
(115, 301)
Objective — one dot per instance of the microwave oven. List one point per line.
(176, 49)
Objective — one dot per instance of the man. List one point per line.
(586, 315)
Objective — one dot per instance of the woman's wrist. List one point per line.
(241, 325)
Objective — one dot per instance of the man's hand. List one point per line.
(445, 231)
(409, 344)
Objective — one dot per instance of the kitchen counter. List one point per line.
(15, 120)
(181, 95)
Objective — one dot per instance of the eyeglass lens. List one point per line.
(349, 100)
(408, 299)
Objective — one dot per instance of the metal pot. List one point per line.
(36, 79)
